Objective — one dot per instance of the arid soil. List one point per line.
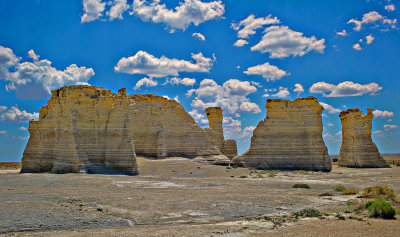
(178, 197)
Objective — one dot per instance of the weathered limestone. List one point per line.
(86, 128)
(289, 138)
(358, 150)
(82, 128)
(230, 148)
(214, 115)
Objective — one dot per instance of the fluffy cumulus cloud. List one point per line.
(337, 137)
(248, 26)
(36, 79)
(233, 129)
(369, 39)
(14, 115)
(148, 82)
(199, 36)
(183, 81)
(187, 13)
(298, 88)
(231, 97)
(390, 7)
(372, 17)
(357, 47)
(240, 43)
(382, 114)
(342, 33)
(267, 71)
(329, 108)
(282, 92)
(281, 42)
(145, 63)
(347, 88)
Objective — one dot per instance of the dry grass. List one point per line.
(10, 165)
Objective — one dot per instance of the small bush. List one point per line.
(235, 166)
(340, 217)
(379, 190)
(228, 167)
(335, 160)
(308, 213)
(306, 186)
(99, 209)
(267, 218)
(243, 176)
(339, 188)
(350, 191)
(380, 208)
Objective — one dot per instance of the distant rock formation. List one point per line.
(214, 115)
(230, 148)
(90, 129)
(358, 150)
(289, 138)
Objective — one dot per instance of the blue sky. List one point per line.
(233, 54)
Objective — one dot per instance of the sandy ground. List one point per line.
(177, 197)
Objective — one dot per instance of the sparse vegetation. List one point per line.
(306, 186)
(379, 190)
(243, 176)
(340, 217)
(235, 166)
(339, 188)
(99, 209)
(350, 191)
(307, 213)
(380, 208)
(325, 194)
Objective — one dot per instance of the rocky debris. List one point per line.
(230, 148)
(90, 129)
(289, 138)
(358, 150)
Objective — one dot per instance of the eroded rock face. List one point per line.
(230, 148)
(86, 128)
(358, 150)
(290, 137)
(214, 115)
(82, 128)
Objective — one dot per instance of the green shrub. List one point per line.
(339, 188)
(308, 213)
(243, 176)
(380, 208)
(235, 166)
(306, 186)
(334, 159)
(340, 217)
(379, 190)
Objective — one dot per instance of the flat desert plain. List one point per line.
(178, 197)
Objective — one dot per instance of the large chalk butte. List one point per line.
(289, 138)
(89, 129)
(358, 150)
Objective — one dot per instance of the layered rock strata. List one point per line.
(358, 150)
(214, 116)
(230, 148)
(289, 138)
(90, 129)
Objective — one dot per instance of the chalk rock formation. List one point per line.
(86, 128)
(82, 128)
(358, 150)
(214, 115)
(230, 148)
(290, 137)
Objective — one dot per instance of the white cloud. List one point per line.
(390, 7)
(14, 115)
(281, 42)
(240, 43)
(389, 126)
(2, 132)
(249, 25)
(256, 84)
(369, 39)
(347, 88)
(342, 33)
(357, 47)
(22, 128)
(372, 17)
(145, 63)
(298, 88)
(187, 13)
(330, 124)
(267, 71)
(333, 138)
(231, 97)
(329, 108)
(283, 92)
(199, 36)
(117, 9)
(93, 10)
(33, 55)
(176, 98)
(184, 81)
(233, 129)
(36, 79)
(382, 114)
(149, 82)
